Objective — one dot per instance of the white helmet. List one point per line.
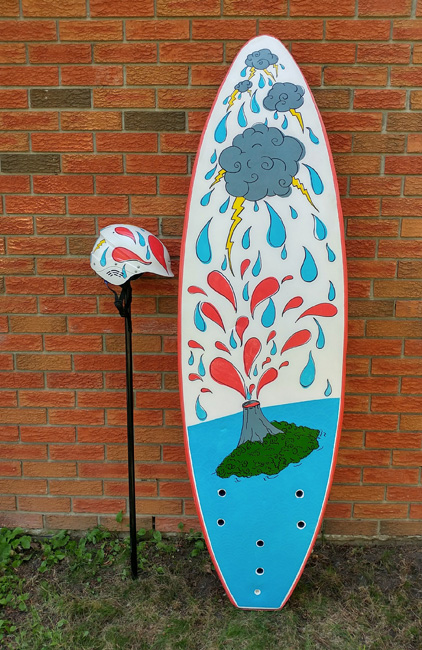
(122, 252)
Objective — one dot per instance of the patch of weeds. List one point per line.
(15, 548)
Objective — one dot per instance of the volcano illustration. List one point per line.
(255, 425)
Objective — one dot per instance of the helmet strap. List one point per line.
(123, 300)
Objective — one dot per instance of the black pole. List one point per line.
(130, 431)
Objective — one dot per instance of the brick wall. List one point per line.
(102, 104)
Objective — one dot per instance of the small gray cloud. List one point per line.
(284, 96)
(261, 162)
(261, 59)
(243, 86)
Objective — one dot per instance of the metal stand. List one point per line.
(123, 304)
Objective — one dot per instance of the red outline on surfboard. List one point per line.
(341, 407)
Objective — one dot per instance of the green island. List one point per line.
(273, 454)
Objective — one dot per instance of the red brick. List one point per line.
(375, 186)
(125, 53)
(124, 98)
(371, 269)
(93, 120)
(44, 504)
(372, 228)
(411, 228)
(13, 520)
(357, 30)
(102, 8)
(414, 143)
(357, 164)
(97, 205)
(411, 422)
(380, 511)
(92, 30)
(99, 505)
(286, 29)
(28, 30)
(191, 52)
(164, 30)
(360, 207)
(389, 475)
(188, 8)
(92, 164)
(384, 7)
(407, 30)
(363, 457)
(12, 53)
(377, 98)
(405, 309)
(72, 343)
(40, 324)
(352, 121)
(186, 98)
(158, 206)
(223, 29)
(7, 503)
(10, 8)
(46, 398)
(79, 416)
(359, 76)
(13, 99)
(407, 458)
(75, 380)
(47, 434)
(8, 398)
(383, 53)
(29, 76)
(413, 186)
(126, 184)
(412, 384)
(53, 8)
(34, 204)
(174, 185)
(120, 489)
(58, 53)
(75, 487)
(63, 184)
(324, 52)
(326, 8)
(208, 75)
(70, 522)
(62, 142)
(30, 120)
(76, 452)
(14, 142)
(147, 75)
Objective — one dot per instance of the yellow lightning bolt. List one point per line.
(296, 183)
(236, 219)
(218, 177)
(299, 117)
(252, 72)
(276, 69)
(270, 74)
(100, 243)
(232, 98)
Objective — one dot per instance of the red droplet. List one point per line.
(206, 390)
(268, 376)
(120, 254)
(262, 291)
(194, 344)
(221, 285)
(250, 352)
(271, 335)
(212, 313)
(251, 389)
(193, 289)
(267, 360)
(221, 346)
(296, 340)
(322, 309)
(125, 232)
(244, 267)
(194, 377)
(241, 325)
(224, 372)
(295, 302)
(282, 365)
(287, 277)
(158, 250)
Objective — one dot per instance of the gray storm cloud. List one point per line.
(243, 86)
(284, 96)
(261, 162)
(261, 59)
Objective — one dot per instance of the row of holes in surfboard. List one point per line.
(300, 524)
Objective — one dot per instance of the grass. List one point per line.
(76, 593)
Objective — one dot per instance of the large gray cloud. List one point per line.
(261, 162)
(284, 96)
(261, 59)
(243, 86)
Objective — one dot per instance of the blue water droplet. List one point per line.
(243, 73)
(210, 174)
(257, 266)
(198, 320)
(201, 367)
(248, 395)
(283, 253)
(312, 136)
(285, 123)
(141, 238)
(266, 122)
(224, 264)
(268, 317)
(206, 198)
(254, 104)
(220, 133)
(246, 239)
(261, 82)
(223, 207)
(320, 230)
(293, 212)
(321, 338)
(124, 271)
(213, 157)
(148, 255)
(256, 207)
(316, 182)
(233, 343)
(191, 359)
(270, 82)
(245, 292)
(255, 371)
(330, 253)
(308, 373)
(103, 260)
(276, 234)
(200, 412)
(331, 292)
(241, 117)
(203, 247)
(276, 115)
(308, 270)
(328, 390)
(273, 348)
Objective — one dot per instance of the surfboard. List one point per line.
(262, 326)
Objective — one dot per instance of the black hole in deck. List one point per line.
(260, 542)
(260, 571)
(220, 522)
(221, 493)
(301, 524)
(300, 494)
